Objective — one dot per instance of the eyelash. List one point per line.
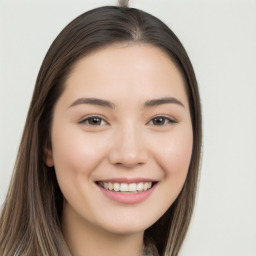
(166, 120)
(90, 118)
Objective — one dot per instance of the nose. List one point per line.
(128, 148)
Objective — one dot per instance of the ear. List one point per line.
(48, 158)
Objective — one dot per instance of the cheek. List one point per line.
(175, 155)
(75, 154)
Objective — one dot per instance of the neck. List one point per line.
(84, 238)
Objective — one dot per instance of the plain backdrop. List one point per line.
(220, 38)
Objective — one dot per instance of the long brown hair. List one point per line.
(31, 214)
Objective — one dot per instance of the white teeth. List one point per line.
(140, 186)
(116, 186)
(132, 187)
(125, 187)
(110, 186)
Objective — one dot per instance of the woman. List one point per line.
(109, 158)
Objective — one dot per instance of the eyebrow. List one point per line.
(161, 101)
(108, 104)
(93, 101)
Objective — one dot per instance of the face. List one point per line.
(121, 138)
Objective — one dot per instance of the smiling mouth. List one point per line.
(126, 187)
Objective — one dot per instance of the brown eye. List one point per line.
(94, 121)
(161, 121)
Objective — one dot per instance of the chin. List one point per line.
(128, 226)
(125, 229)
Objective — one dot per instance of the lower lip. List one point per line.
(127, 198)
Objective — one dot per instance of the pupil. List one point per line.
(94, 120)
(158, 120)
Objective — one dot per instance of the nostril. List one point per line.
(127, 159)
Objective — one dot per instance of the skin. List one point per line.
(126, 142)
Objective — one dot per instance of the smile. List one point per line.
(126, 187)
(127, 191)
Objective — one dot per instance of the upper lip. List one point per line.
(127, 180)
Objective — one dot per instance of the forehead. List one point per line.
(132, 69)
(131, 56)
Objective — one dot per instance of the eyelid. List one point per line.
(85, 118)
(171, 120)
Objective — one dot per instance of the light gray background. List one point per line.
(220, 38)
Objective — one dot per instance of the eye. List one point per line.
(161, 121)
(93, 121)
